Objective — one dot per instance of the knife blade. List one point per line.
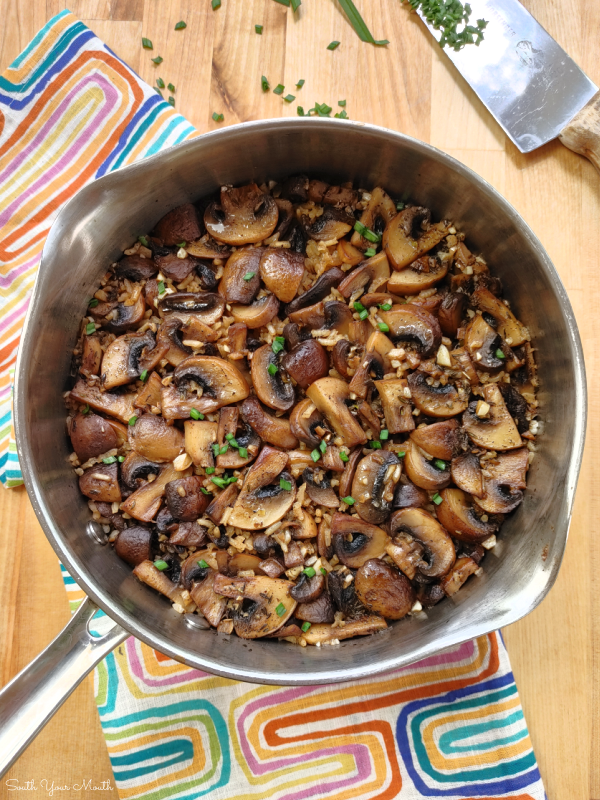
(532, 87)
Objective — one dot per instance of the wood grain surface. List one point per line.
(215, 65)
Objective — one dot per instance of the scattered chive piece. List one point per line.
(384, 434)
(223, 449)
(209, 470)
(109, 460)
(160, 83)
(383, 327)
(202, 563)
(333, 45)
(249, 275)
(289, 98)
(315, 455)
(296, 4)
(436, 498)
(161, 565)
(171, 88)
(279, 89)
(370, 252)
(323, 447)
(265, 84)
(358, 306)
(439, 463)
(401, 454)
(171, 100)
(399, 205)
(385, 306)
(243, 452)
(323, 571)
(342, 103)
(375, 444)
(132, 421)
(144, 375)
(143, 240)
(233, 479)
(90, 328)
(229, 436)
(216, 4)
(158, 60)
(272, 369)
(85, 409)
(446, 17)
(359, 24)
(280, 610)
(181, 25)
(220, 482)
(216, 449)
(93, 303)
(278, 344)
(283, 2)
(341, 115)
(283, 484)
(364, 314)
(366, 233)
(348, 500)
(309, 572)
(343, 456)
(161, 288)
(258, 29)
(500, 354)
(234, 444)
(300, 111)
(305, 626)
(195, 414)
(218, 117)
(204, 491)
(147, 44)
(158, 91)
(300, 83)
(120, 459)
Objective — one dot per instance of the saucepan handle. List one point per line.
(39, 690)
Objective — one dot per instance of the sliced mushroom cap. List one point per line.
(121, 361)
(134, 545)
(145, 502)
(211, 603)
(420, 275)
(219, 504)
(384, 590)
(184, 498)
(380, 210)
(246, 439)
(260, 313)
(509, 328)
(423, 472)
(206, 273)
(451, 313)
(319, 634)
(306, 363)
(305, 418)
(334, 223)
(338, 316)
(320, 289)
(318, 488)
(265, 604)
(169, 339)
(409, 236)
(370, 368)
(221, 382)
(329, 396)
(244, 216)
(439, 548)
(467, 475)
(406, 553)
(348, 253)
(374, 271)
(396, 405)
(274, 430)
(175, 268)
(319, 610)
(135, 268)
(407, 495)
(263, 499)
(355, 541)
(241, 278)
(124, 317)
(206, 307)
(154, 439)
(463, 569)
(200, 435)
(281, 271)
(497, 430)
(516, 405)
(436, 401)
(412, 324)
(295, 189)
(148, 574)
(136, 469)
(440, 440)
(91, 357)
(340, 357)
(311, 317)
(374, 484)
(462, 519)
(101, 482)
(269, 380)
(178, 225)
(308, 589)
(503, 485)
(115, 405)
(91, 436)
(482, 343)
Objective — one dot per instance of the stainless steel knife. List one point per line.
(532, 87)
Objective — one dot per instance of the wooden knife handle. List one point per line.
(582, 134)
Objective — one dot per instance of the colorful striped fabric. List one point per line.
(451, 726)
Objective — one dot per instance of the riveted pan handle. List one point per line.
(39, 690)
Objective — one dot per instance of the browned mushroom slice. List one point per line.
(304, 528)
(305, 418)
(332, 225)
(101, 482)
(269, 380)
(206, 307)
(370, 367)
(415, 326)
(355, 541)
(135, 470)
(178, 225)
(308, 589)
(295, 188)
(169, 338)
(379, 343)
(467, 475)
(244, 215)
(319, 290)
(319, 634)
(349, 472)
(221, 382)
(496, 430)
(319, 610)
(282, 271)
(348, 253)
(116, 405)
(264, 498)
(188, 534)
(175, 268)
(517, 406)
(312, 317)
(422, 274)
(241, 278)
(338, 316)
(436, 401)
(236, 341)
(306, 363)
(134, 545)
(126, 316)
(123, 359)
(154, 439)
(509, 327)
(396, 405)
(377, 299)
(410, 235)
(91, 436)
(292, 556)
(258, 314)
(384, 590)
(208, 248)
(91, 357)
(482, 344)
(135, 268)
(463, 569)
(440, 440)
(274, 430)
(431, 475)
(149, 395)
(200, 435)
(368, 415)
(329, 396)
(224, 500)
(504, 482)
(461, 362)
(211, 604)
(264, 604)
(406, 553)
(235, 443)
(144, 503)
(148, 574)
(242, 562)
(380, 210)
(318, 488)
(462, 519)
(451, 313)
(332, 459)
(438, 546)
(184, 498)
(407, 495)
(374, 484)
(375, 271)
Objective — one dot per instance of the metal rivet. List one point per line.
(196, 621)
(95, 530)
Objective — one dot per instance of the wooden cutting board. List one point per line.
(215, 65)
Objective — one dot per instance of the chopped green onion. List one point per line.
(358, 306)
(143, 240)
(439, 463)
(300, 83)
(147, 44)
(323, 571)
(144, 375)
(283, 484)
(401, 454)
(158, 91)
(243, 452)
(375, 444)
(85, 409)
(278, 344)
(344, 456)
(171, 88)
(161, 288)
(223, 449)
(234, 444)
(194, 414)
(399, 205)
(181, 25)
(220, 482)
(309, 572)
(160, 83)
(171, 100)
(333, 45)
(218, 117)
(93, 302)
(202, 563)
(315, 455)
(258, 29)
(383, 327)
(436, 498)
(296, 4)
(366, 233)
(158, 60)
(500, 354)
(364, 314)
(120, 459)
(358, 23)
(90, 328)
(249, 275)
(305, 626)
(216, 4)
(446, 17)
(209, 470)
(132, 421)
(283, 2)
(233, 479)
(204, 491)
(289, 98)
(280, 610)
(341, 114)
(384, 434)
(342, 103)
(300, 111)
(265, 84)
(229, 436)
(279, 89)
(323, 447)
(385, 306)
(370, 252)
(161, 565)
(272, 369)
(109, 460)
(348, 500)
(216, 449)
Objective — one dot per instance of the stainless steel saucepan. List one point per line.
(93, 229)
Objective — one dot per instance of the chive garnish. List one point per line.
(272, 369)
(300, 111)
(216, 449)
(279, 89)
(283, 2)
(146, 43)
(283, 484)
(220, 482)
(90, 328)
(109, 460)
(160, 83)
(385, 306)
(309, 572)
(264, 83)
(278, 344)
(209, 470)
(171, 100)
(439, 463)
(342, 103)
(280, 610)
(204, 491)
(243, 452)
(161, 565)
(161, 288)
(216, 4)
(366, 233)
(359, 24)
(296, 4)
(364, 314)
(300, 83)
(323, 447)
(358, 306)
(223, 449)
(436, 499)
(143, 240)
(315, 455)
(446, 17)
(399, 205)
(181, 24)
(218, 117)
(158, 60)
(132, 421)
(144, 375)
(323, 571)
(385, 434)
(375, 444)
(370, 252)
(258, 29)
(289, 98)
(305, 627)
(120, 459)
(229, 436)
(383, 327)
(401, 454)
(341, 114)
(202, 563)
(500, 354)
(348, 500)
(194, 414)
(249, 275)
(85, 409)
(344, 456)
(93, 302)
(333, 45)
(171, 88)
(181, 244)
